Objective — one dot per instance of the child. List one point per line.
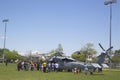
(75, 70)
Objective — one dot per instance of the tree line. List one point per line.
(10, 56)
(86, 53)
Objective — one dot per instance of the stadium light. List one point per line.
(4, 21)
(110, 2)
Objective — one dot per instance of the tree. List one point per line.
(88, 49)
(52, 53)
(86, 52)
(57, 52)
(116, 57)
(11, 55)
(1, 52)
(59, 49)
(117, 51)
(78, 56)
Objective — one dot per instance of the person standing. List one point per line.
(44, 66)
(6, 62)
(19, 66)
(86, 70)
(75, 70)
(22, 64)
(56, 67)
(32, 66)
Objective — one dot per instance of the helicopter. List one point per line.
(66, 63)
(91, 66)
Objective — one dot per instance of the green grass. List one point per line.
(10, 73)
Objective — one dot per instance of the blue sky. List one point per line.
(43, 24)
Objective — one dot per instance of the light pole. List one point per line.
(4, 21)
(110, 2)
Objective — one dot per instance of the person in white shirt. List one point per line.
(56, 67)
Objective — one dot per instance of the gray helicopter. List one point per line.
(66, 63)
(91, 66)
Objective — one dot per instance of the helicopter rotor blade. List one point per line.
(110, 48)
(101, 47)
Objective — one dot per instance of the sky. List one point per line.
(43, 24)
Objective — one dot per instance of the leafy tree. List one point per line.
(52, 53)
(84, 53)
(78, 56)
(59, 49)
(1, 52)
(89, 50)
(57, 52)
(11, 55)
(116, 57)
(117, 51)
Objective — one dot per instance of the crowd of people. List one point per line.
(40, 66)
(45, 67)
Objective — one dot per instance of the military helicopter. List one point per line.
(68, 63)
(91, 66)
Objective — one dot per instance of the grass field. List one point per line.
(10, 73)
